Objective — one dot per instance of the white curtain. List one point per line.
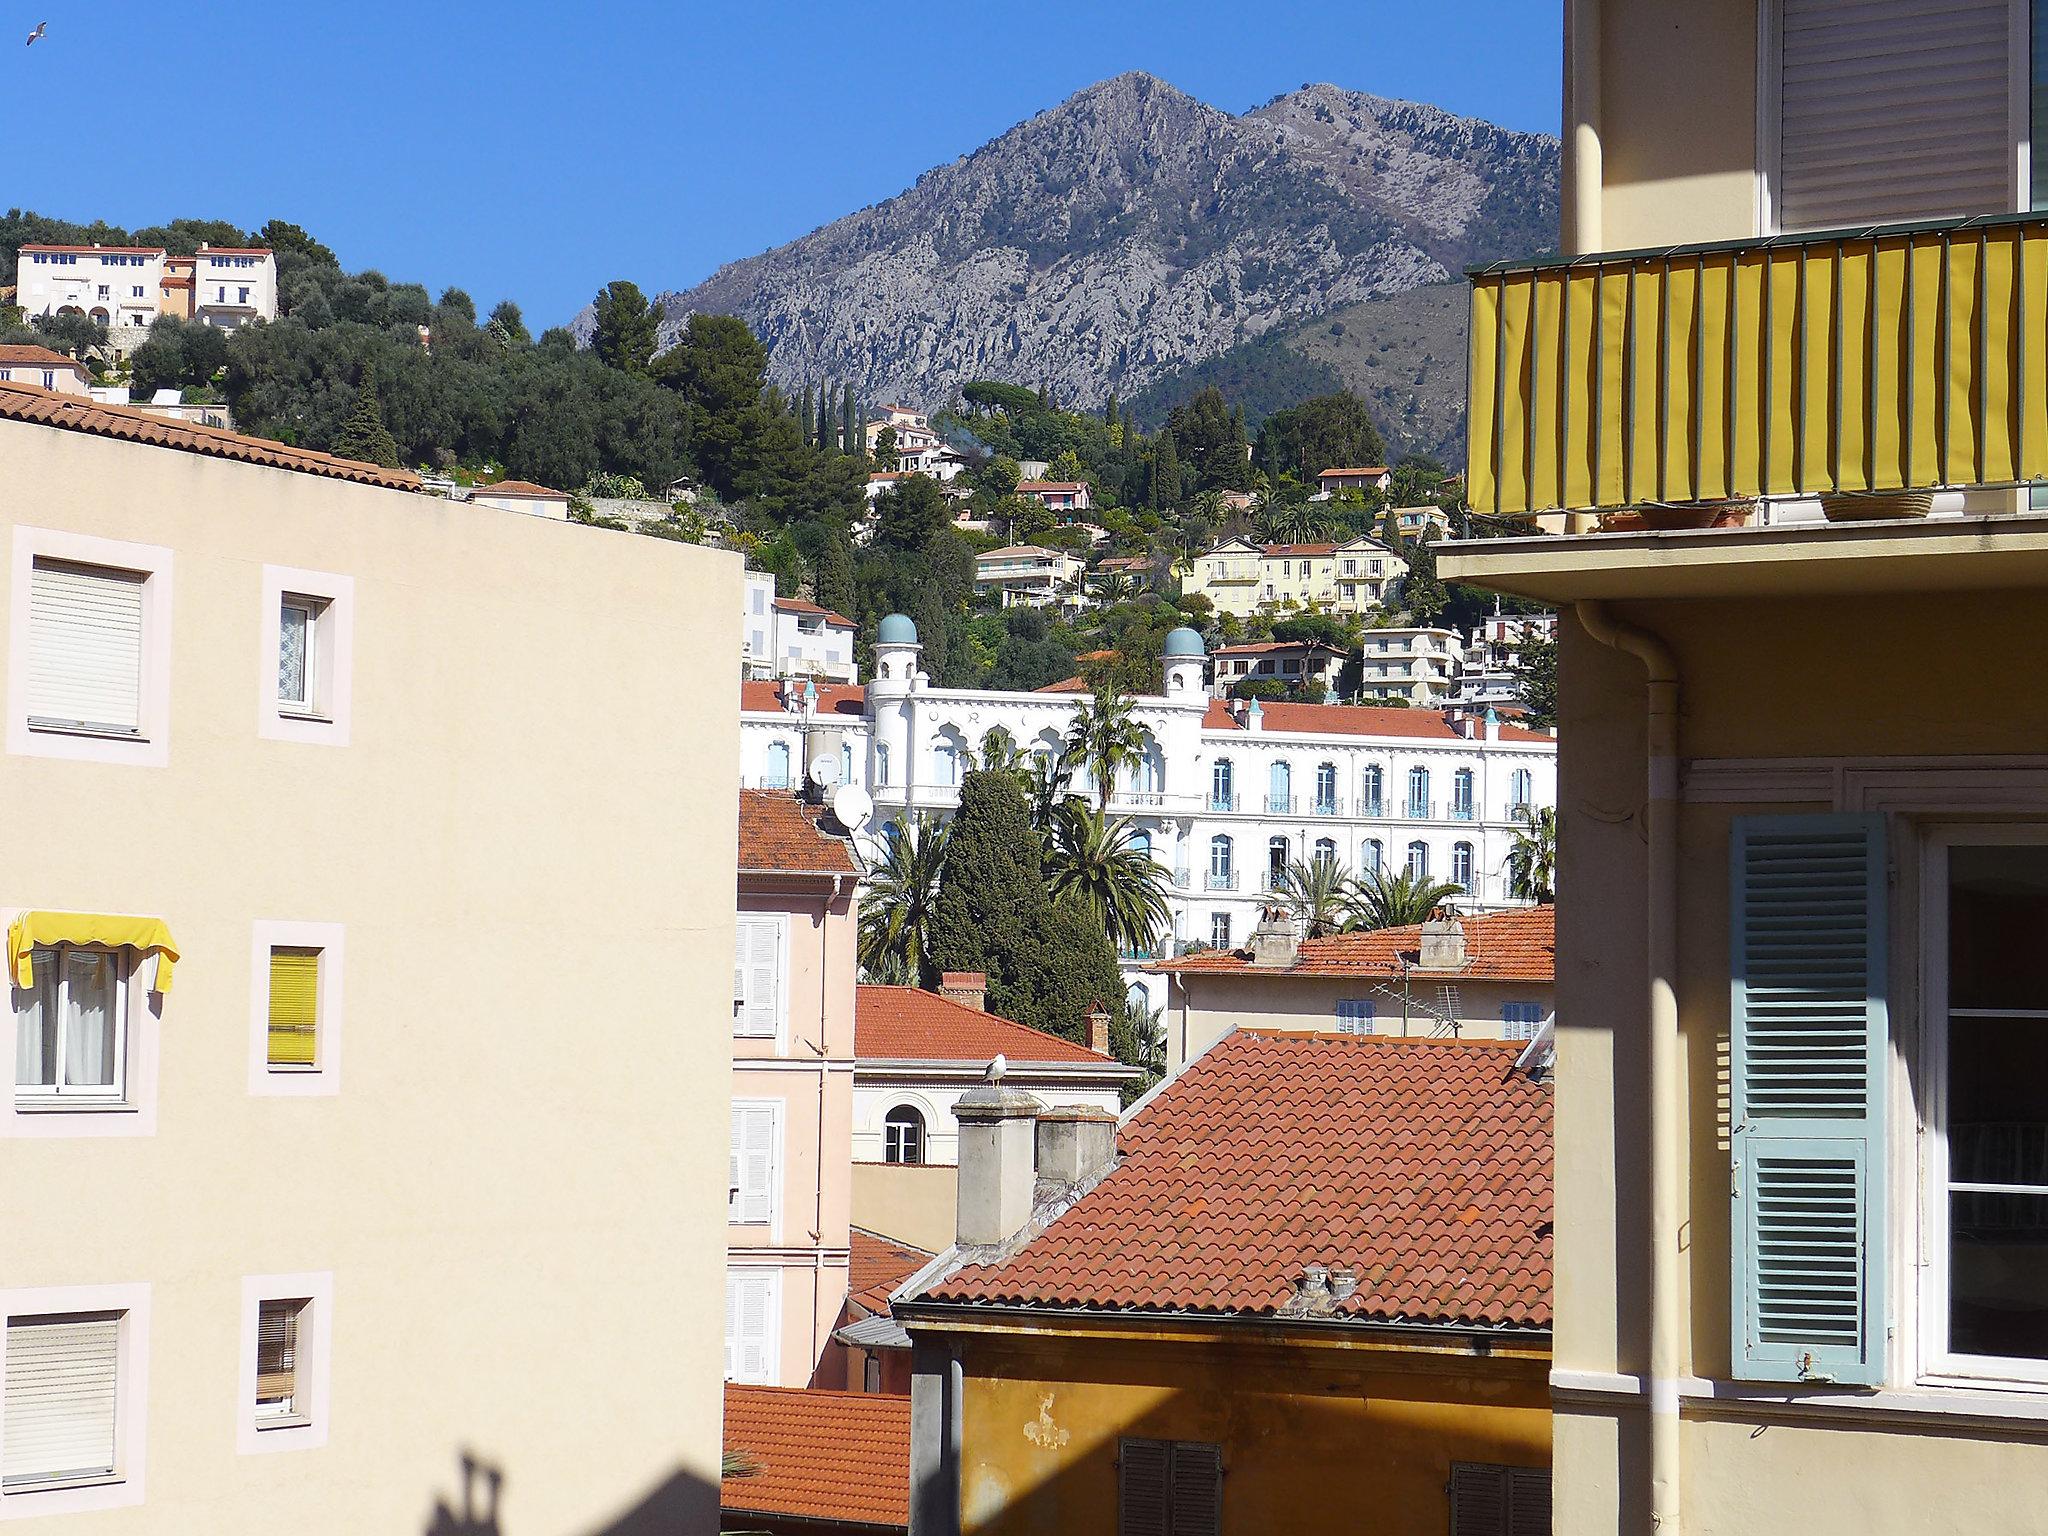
(35, 1026)
(89, 1019)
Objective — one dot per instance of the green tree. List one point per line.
(626, 327)
(1165, 485)
(885, 449)
(992, 885)
(457, 302)
(1397, 899)
(1532, 858)
(1328, 432)
(911, 514)
(1423, 594)
(1103, 739)
(899, 917)
(1093, 861)
(1535, 670)
(1211, 440)
(1318, 895)
(363, 434)
(1137, 1038)
(1066, 965)
(720, 370)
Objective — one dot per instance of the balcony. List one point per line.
(1863, 361)
(1279, 805)
(1222, 880)
(1370, 808)
(1225, 802)
(1330, 806)
(1181, 880)
(1419, 810)
(1461, 812)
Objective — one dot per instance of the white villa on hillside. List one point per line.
(126, 288)
(1243, 578)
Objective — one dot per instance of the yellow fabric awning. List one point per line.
(33, 930)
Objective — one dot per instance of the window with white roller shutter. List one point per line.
(1894, 110)
(757, 977)
(61, 1398)
(85, 648)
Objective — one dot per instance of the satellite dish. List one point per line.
(824, 770)
(852, 805)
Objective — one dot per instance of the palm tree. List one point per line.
(1137, 1038)
(1397, 899)
(1092, 858)
(1318, 895)
(1114, 588)
(903, 893)
(1000, 752)
(1296, 522)
(1104, 739)
(1046, 787)
(1532, 862)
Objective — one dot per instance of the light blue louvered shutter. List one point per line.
(1808, 1047)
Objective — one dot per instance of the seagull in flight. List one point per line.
(41, 28)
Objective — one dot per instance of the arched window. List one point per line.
(1276, 862)
(1222, 871)
(1141, 842)
(1148, 773)
(1461, 866)
(1326, 789)
(1370, 785)
(903, 1135)
(1280, 789)
(881, 765)
(1136, 995)
(1418, 793)
(1522, 790)
(1418, 861)
(1461, 794)
(946, 759)
(1371, 855)
(1222, 786)
(1326, 851)
(776, 774)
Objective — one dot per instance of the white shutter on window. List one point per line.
(754, 1324)
(757, 977)
(1892, 110)
(60, 1397)
(753, 1164)
(85, 646)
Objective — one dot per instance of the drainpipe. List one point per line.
(1660, 816)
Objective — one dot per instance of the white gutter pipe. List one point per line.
(1660, 817)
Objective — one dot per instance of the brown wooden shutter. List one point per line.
(1142, 1476)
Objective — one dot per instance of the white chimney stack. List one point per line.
(998, 1161)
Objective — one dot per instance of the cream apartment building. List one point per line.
(1243, 578)
(126, 287)
(1802, 1140)
(368, 1069)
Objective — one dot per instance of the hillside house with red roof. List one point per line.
(792, 637)
(1305, 1286)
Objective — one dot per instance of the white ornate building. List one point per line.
(1225, 795)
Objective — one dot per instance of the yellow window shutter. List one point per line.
(294, 1006)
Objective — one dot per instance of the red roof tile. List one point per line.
(878, 1265)
(843, 1457)
(798, 605)
(907, 1024)
(763, 697)
(778, 832)
(1029, 487)
(519, 488)
(1369, 469)
(1066, 685)
(1357, 720)
(40, 407)
(1423, 1164)
(1298, 549)
(41, 357)
(1520, 945)
(124, 250)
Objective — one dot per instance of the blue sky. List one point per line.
(536, 152)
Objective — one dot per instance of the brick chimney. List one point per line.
(1443, 945)
(969, 987)
(1098, 1027)
(998, 1172)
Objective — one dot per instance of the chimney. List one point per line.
(1098, 1027)
(1076, 1142)
(1274, 943)
(969, 987)
(1443, 945)
(998, 1161)
(1492, 724)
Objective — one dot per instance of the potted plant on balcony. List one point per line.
(1874, 506)
(1660, 517)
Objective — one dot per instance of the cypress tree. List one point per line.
(363, 435)
(825, 444)
(1165, 473)
(834, 576)
(849, 420)
(993, 886)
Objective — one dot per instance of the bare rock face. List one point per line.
(1130, 232)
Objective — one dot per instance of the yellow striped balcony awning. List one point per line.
(1900, 357)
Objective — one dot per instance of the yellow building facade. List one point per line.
(1800, 1139)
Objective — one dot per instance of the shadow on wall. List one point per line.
(682, 1503)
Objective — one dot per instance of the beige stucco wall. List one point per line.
(914, 1204)
(1752, 674)
(519, 1187)
(1201, 1009)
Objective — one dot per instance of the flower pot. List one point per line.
(1874, 506)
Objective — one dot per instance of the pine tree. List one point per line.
(627, 327)
(363, 435)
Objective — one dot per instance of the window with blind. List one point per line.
(1890, 110)
(294, 1037)
(1169, 1488)
(757, 977)
(59, 1398)
(279, 1390)
(751, 1186)
(84, 648)
(1491, 1500)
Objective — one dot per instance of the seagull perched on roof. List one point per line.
(996, 1069)
(41, 28)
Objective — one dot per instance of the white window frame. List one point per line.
(37, 1099)
(305, 1428)
(326, 719)
(150, 746)
(924, 1135)
(780, 1034)
(736, 1193)
(771, 1278)
(1219, 920)
(124, 1488)
(323, 1078)
(1938, 1366)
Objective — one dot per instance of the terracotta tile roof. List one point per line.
(1519, 945)
(779, 832)
(878, 1265)
(1018, 549)
(1425, 1165)
(891, 474)
(518, 488)
(764, 697)
(235, 250)
(1260, 647)
(842, 1457)
(1032, 487)
(1299, 549)
(798, 605)
(41, 357)
(122, 250)
(40, 407)
(907, 1024)
(1066, 685)
(1357, 720)
(1369, 469)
